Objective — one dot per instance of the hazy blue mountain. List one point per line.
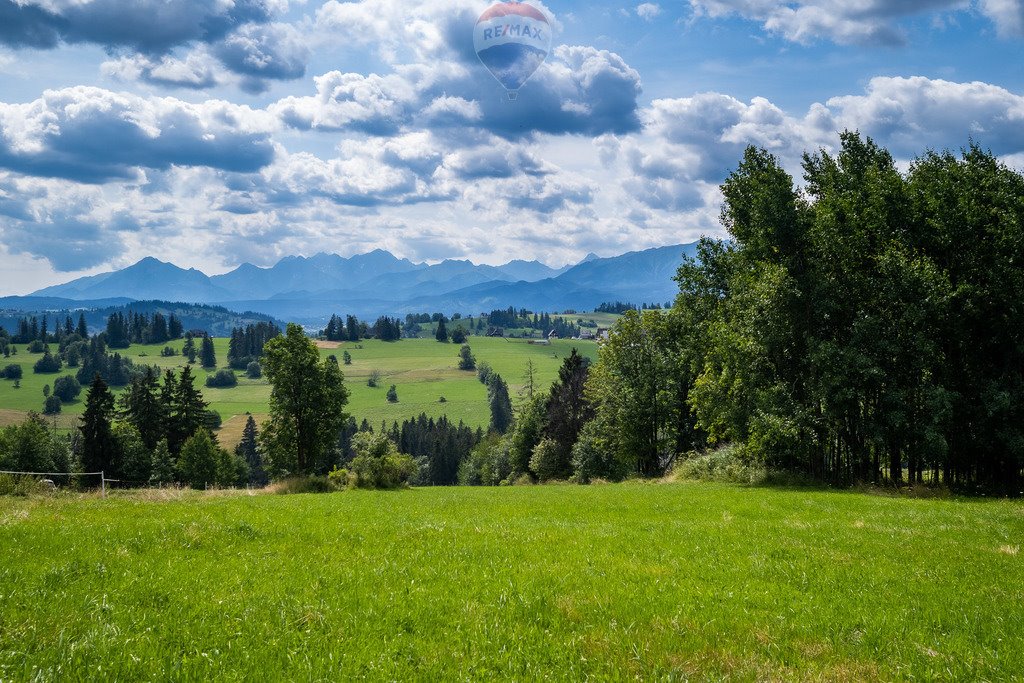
(530, 271)
(150, 278)
(309, 290)
(53, 303)
(299, 274)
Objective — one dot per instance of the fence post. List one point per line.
(103, 484)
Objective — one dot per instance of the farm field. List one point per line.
(423, 371)
(561, 582)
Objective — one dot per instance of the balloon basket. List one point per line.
(512, 95)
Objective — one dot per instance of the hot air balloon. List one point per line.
(512, 39)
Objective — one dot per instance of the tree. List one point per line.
(199, 460)
(373, 380)
(188, 349)
(253, 370)
(467, 361)
(392, 395)
(208, 356)
(248, 450)
(441, 334)
(163, 470)
(546, 460)
(187, 410)
(458, 335)
(500, 404)
(346, 357)
(567, 409)
(49, 363)
(82, 329)
(140, 406)
(31, 447)
(134, 461)
(99, 449)
(307, 399)
(51, 406)
(11, 371)
(223, 378)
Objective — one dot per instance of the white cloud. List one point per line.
(648, 11)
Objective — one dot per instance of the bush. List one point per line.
(488, 463)
(12, 371)
(593, 458)
(51, 406)
(458, 336)
(49, 363)
(346, 358)
(545, 461)
(374, 379)
(727, 463)
(392, 394)
(378, 464)
(310, 484)
(36, 346)
(253, 370)
(66, 388)
(222, 379)
(168, 351)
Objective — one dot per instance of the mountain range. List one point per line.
(309, 289)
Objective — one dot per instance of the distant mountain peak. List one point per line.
(590, 257)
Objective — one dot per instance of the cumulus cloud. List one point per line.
(863, 22)
(147, 26)
(1008, 16)
(259, 52)
(93, 135)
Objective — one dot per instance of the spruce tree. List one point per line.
(248, 450)
(140, 406)
(500, 403)
(188, 410)
(442, 331)
(208, 357)
(163, 471)
(99, 449)
(83, 330)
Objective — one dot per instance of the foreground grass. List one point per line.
(680, 580)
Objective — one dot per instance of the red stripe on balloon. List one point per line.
(512, 8)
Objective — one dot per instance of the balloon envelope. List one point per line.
(512, 39)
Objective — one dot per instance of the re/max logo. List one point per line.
(512, 30)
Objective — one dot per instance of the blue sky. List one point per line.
(213, 132)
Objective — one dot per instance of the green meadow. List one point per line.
(648, 581)
(423, 371)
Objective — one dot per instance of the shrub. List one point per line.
(253, 370)
(545, 461)
(378, 464)
(168, 351)
(725, 463)
(346, 358)
(310, 484)
(222, 379)
(374, 379)
(49, 363)
(458, 336)
(392, 394)
(51, 406)
(483, 372)
(66, 388)
(36, 346)
(11, 371)
(593, 458)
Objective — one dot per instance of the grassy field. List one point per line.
(558, 582)
(423, 371)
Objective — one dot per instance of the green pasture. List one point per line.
(614, 582)
(423, 371)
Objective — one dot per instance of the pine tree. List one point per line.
(442, 331)
(500, 403)
(248, 450)
(83, 330)
(140, 406)
(188, 410)
(164, 471)
(208, 357)
(99, 449)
